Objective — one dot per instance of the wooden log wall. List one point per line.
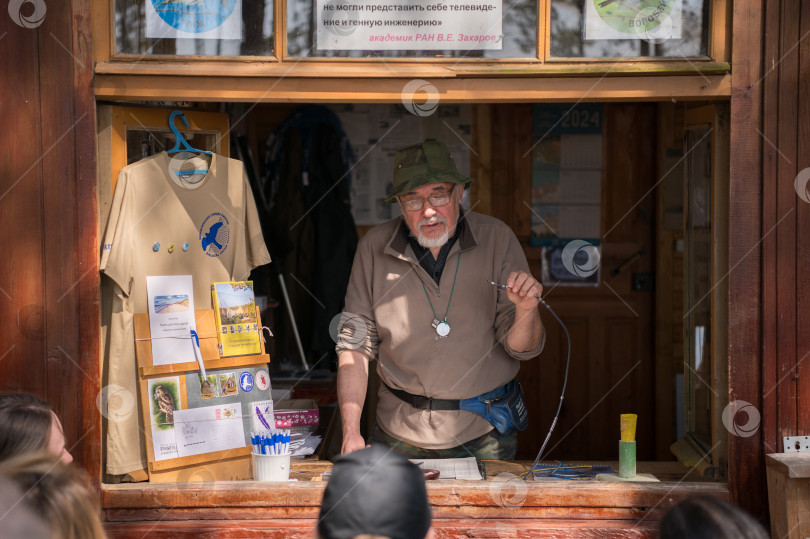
(49, 283)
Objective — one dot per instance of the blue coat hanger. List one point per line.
(181, 144)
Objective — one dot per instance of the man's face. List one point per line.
(432, 226)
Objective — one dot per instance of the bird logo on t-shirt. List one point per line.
(214, 234)
(211, 237)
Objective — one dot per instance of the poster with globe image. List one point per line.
(195, 19)
(651, 20)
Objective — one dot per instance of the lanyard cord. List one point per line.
(458, 261)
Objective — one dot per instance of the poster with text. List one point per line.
(408, 25)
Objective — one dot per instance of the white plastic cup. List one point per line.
(271, 467)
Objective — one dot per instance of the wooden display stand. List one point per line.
(789, 494)
(227, 465)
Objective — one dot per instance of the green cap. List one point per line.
(423, 164)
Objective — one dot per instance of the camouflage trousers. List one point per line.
(490, 446)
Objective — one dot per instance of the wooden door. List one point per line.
(612, 361)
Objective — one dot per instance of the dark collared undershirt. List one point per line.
(434, 266)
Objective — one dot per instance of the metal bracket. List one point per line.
(796, 444)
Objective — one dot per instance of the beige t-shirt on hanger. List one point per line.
(210, 224)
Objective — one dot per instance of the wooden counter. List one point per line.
(500, 506)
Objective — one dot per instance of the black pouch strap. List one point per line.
(423, 403)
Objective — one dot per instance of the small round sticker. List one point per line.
(262, 380)
(246, 381)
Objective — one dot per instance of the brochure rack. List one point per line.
(225, 465)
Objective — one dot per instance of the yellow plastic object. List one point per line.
(628, 427)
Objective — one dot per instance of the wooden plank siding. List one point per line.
(49, 278)
(768, 282)
(802, 241)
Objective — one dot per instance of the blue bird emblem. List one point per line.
(211, 237)
(215, 234)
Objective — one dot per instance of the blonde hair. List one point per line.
(58, 493)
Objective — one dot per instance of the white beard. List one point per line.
(432, 243)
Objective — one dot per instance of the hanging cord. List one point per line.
(451, 292)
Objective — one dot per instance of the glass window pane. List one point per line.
(629, 28)
(194, 27)
(697, 272)
(519, 29)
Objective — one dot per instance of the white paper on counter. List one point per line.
(462, 468)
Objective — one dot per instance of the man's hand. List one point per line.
(522, 288)
(354, 442)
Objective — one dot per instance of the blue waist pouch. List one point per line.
(503, 407)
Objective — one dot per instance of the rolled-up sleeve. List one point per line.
(357, 328)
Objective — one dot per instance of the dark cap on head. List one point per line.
(423, 164)
(375, 491)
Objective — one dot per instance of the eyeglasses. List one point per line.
(437, 200)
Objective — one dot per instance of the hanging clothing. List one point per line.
(306, 189)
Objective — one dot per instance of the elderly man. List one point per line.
(440, 331)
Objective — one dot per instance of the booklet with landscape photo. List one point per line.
(235, 312)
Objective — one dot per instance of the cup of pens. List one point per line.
(271, 455)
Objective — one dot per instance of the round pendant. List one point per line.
(443, 329)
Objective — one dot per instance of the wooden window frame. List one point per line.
(110, 68)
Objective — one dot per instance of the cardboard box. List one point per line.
(299, 412)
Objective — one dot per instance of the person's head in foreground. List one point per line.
(16, 519)
(429, 189)
(375, 492)
(27, 424)
(706, 517)
(57, 493)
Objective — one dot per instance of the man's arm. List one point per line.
(527, 329)
(352, 383)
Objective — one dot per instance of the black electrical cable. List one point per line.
(565, 380)
(562, 393)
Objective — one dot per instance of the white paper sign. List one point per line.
(209, 429)
(408, 25)
(171, 318)
(196, 19)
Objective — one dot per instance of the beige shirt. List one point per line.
(150, 207)
(386, 290)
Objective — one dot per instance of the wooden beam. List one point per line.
(399, 68)
(88, 285)
(746, 458)
(802, 239)
(361, 90)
